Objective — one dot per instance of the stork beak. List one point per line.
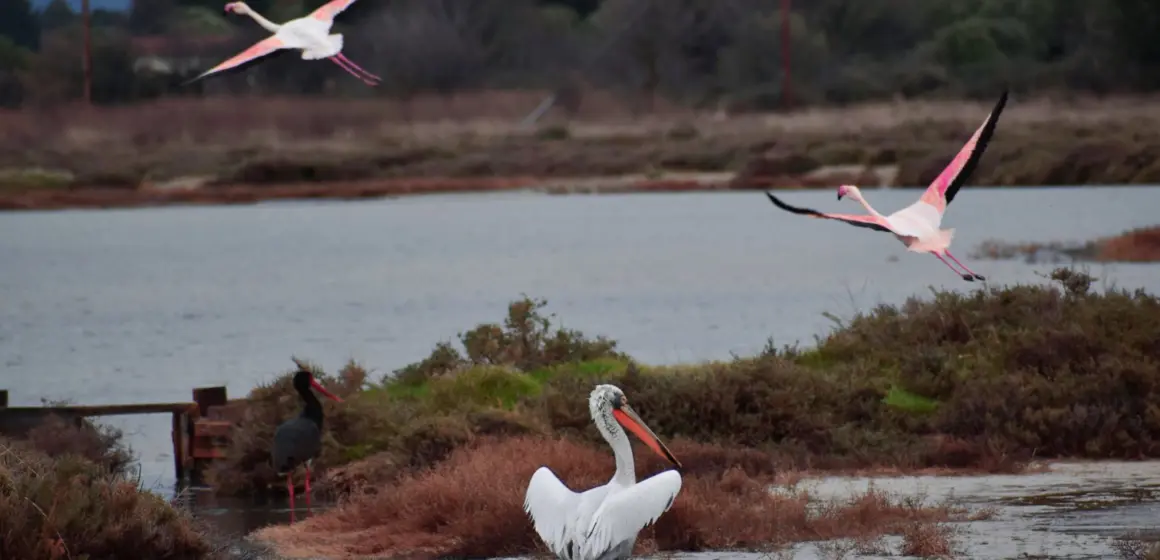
(318, 387)
(632, 422)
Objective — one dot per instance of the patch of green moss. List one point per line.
(904, 400)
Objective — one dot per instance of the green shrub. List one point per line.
(980, 380)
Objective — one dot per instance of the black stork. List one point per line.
(299, 441)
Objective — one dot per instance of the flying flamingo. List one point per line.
(310, 34)
(602, 523)
(299, 440)
(917, 225)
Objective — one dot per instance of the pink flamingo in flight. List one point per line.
(310, 34)
(917, 225)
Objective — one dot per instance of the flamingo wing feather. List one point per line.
(942, 191)
(623, 514)
(871, 222)
(257, 50)
(331, 9)
(552, 507)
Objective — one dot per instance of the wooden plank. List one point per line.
(105, 410)
(232, 411)
(200, 452)
(212, 428)
(3, 398)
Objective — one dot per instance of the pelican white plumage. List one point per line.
(602, 523)
(310, 34)
(917, 225)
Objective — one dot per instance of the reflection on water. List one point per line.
(234, 517)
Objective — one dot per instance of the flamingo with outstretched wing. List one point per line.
(917, 225)
(310, 34)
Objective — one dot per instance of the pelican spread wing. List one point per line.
(623, 514)
(552, 507)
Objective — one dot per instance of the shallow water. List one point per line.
(122, 306)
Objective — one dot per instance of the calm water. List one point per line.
(143, 305)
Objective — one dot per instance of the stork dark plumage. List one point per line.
(299, 441)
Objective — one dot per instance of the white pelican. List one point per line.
(602, 523)
(309, 34)
(917, 225)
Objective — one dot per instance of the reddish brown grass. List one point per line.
(69, 507)
(1138, 245)
(472, 505)
(927, 539)
(102, 445)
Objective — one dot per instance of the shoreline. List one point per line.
(105, 198)
(284, 149)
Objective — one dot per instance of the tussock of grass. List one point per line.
(925, 539)
(1137, 547)
(1138, 245)
(471, 505)
(71, 507)
(103, 445)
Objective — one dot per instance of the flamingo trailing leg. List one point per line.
(602, 523)
(310, 34)
(917, 225)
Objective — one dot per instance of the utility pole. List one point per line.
(787, 77)
(88, 57)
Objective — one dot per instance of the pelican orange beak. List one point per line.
(632, 422)
(318, 387)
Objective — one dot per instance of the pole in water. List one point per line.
(88, 58)
(787, 79)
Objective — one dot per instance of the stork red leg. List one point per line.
(308, 488)
(290, 492)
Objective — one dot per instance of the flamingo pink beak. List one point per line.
(229, 7)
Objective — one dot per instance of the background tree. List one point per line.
(18, 23)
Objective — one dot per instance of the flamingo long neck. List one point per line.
(867, 206)
(269, 25)
(621, 448)
(311, 406)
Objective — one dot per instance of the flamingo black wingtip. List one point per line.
(777, 202)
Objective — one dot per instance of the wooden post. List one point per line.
(88, 58)
(786, 43)
(205, 397)
(3, 398)
(179, 446)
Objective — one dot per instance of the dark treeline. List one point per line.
(694, 52)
